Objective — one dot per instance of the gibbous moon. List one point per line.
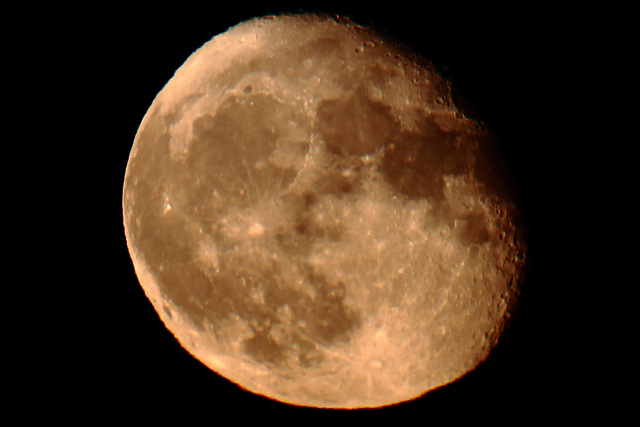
(315, 220)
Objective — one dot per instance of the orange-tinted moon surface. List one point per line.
(313, 217)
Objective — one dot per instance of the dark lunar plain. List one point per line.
(114, 357)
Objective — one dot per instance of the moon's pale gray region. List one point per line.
(314, 219)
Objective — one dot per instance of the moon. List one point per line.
(314, 218)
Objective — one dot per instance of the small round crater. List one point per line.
(167, 311)
(248, 88)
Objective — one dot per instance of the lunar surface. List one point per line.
(314, 219)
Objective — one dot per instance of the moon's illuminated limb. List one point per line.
(313, 218)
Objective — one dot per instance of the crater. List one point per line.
(310, 357)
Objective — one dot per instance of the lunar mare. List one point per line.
(313, 218)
